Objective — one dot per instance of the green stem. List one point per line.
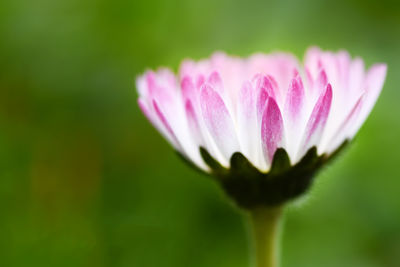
(266, 225)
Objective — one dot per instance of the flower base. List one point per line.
(251, 188)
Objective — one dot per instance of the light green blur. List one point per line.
(85, 181)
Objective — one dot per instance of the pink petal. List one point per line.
(161, 92)
(318, 118)
(216, 82)
(188, 88)
(247, 120)
(267, 83)
(193, 122)
(265, 87)
(343, 67)
(143, 107)
(151, 82)
(218, 121)
(374, 83)
(141, 86)
(343, 130)
(295, 99)
(319, 83)
(322, 80)
(356, 76)
(167, 76)
(262, 98)
(200, 80)
(312, 61)
(154, 121)
(309, 78)
(271, 129)
(278, 65)
(246, 100)
(165, 122)
(274, 83)
(187, 67)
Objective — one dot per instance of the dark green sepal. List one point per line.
(250, 188)
(280, 163)
(217, 169)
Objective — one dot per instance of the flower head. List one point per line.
(261, 116)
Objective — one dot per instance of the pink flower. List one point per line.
(258, 104)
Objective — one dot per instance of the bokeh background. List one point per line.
(86, 181)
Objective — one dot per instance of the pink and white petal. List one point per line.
(356, 77)
(315, 60)
(318, 86)
(272, 130)
(343, 68)
(321, 82)
(330, 62)
(294, 115)
(193, 123)
(266, 82)
(262, 98)
(317, 121)
(247, 120)
(343, 131)
(187, 67)
(278, 65)
(172, 120)
(141, 86)
(219, 60)
(216, 82)
(160, 90)
(274, 86)
(156, 123)
(218, 121)
(312, 61)
(309, 78)
(294, 100)
(167, 78)
(248, 124)
(189, 91)
(316, 74)
(200, 80)
(246, 100)
(373, 84)
(165, 123)
(146, 111)
(264, 87)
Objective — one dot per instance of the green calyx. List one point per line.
(251, 188)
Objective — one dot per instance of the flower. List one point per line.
(266, 116)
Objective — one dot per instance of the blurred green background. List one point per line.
(86, 181)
